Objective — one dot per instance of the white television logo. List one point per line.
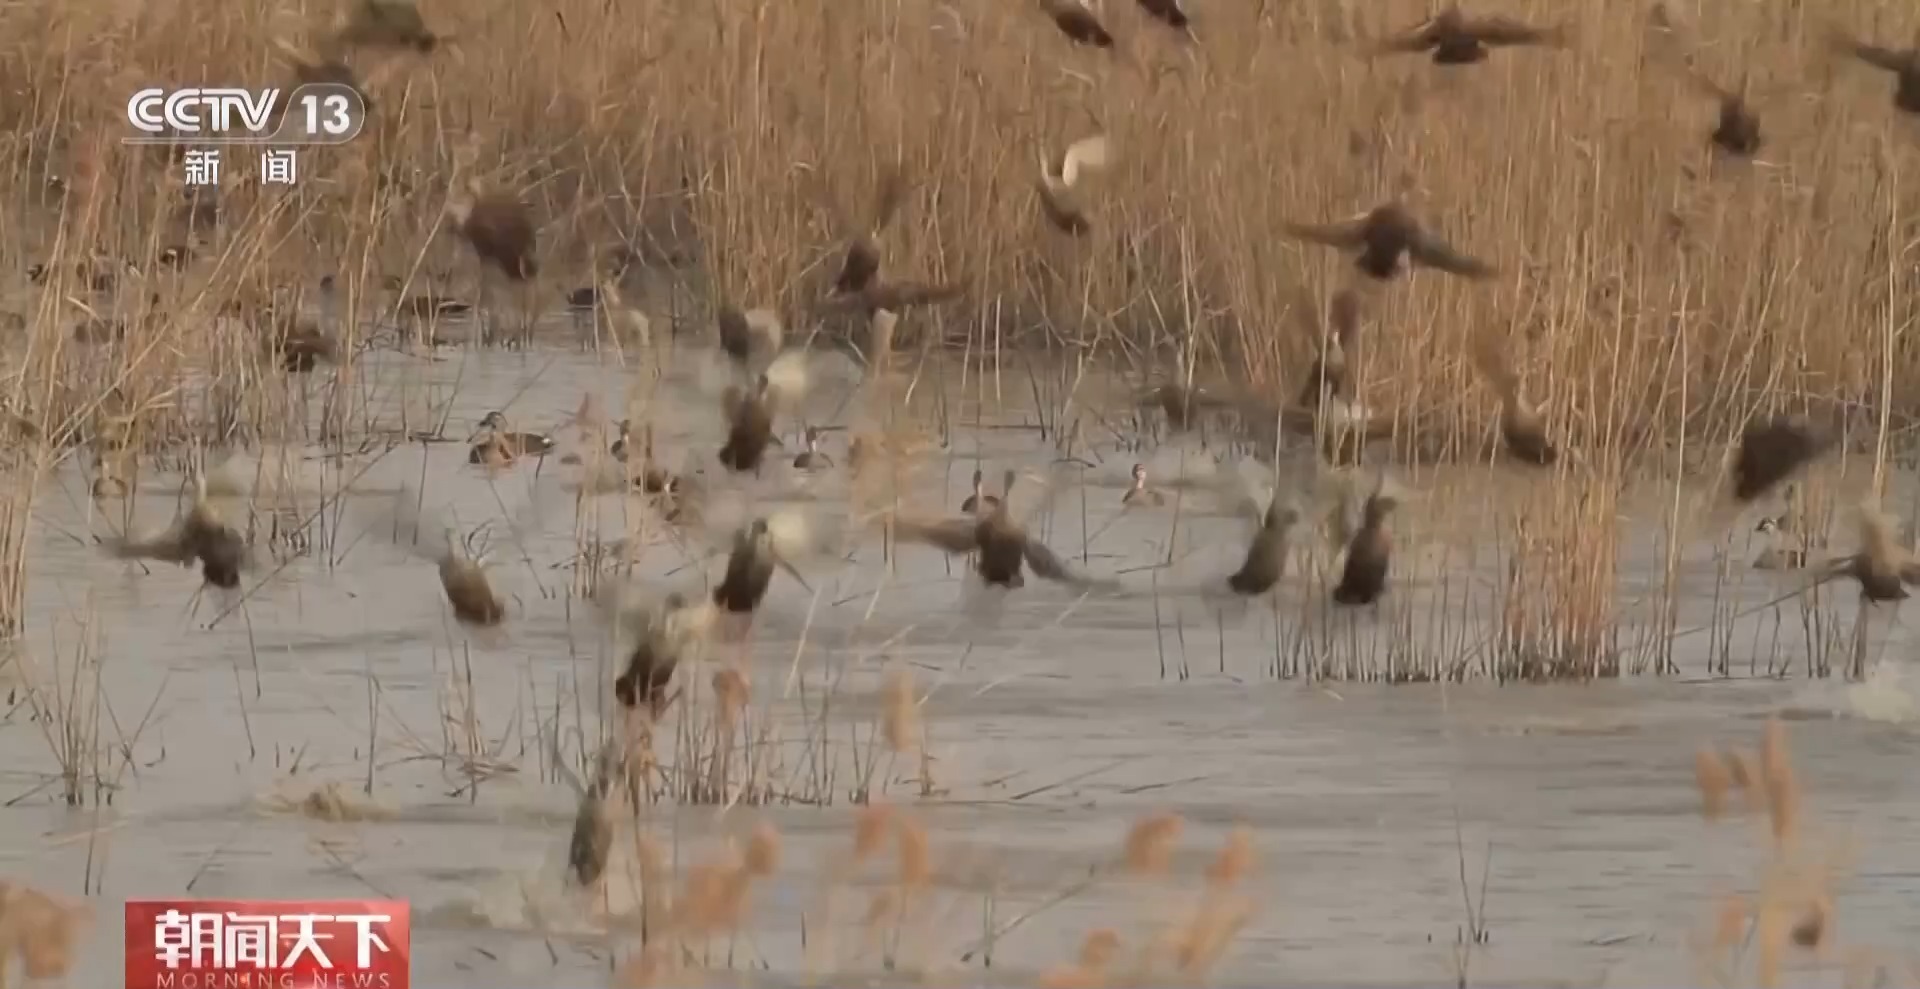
(325, 113)
(156, 111)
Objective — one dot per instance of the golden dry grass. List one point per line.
(1789, 916)
(1643, 291)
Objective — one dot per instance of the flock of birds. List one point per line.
(1383, 241)
(767, 379)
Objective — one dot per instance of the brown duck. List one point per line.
(668, 634)
(1184, 405)
(1002, 546)
(468, 591)
(893, 297)
(749, 426)
(750, 570)
(388, 24)
(1736, 129)
(1369, 554)
(199, 535)
(498, 228)
(325, 67)
(811, 458)
(1522, 428)
(425, 304)
(1882, 567)
(1266, 559)
(1168, 12)
(1904, 63)
(1077, 21)
(1332, 371)
(1140, 494)
(861, 267)
(591, 843)
(1456, 39)
(979, 500)
(497, 440)
(740, 332)
(1385, 234)
(1772, 450)
(298, 342)
(651, 478)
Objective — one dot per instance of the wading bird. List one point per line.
(1904, 63)
(1385, 234)
(1456, 39)
(1001, 544)
(1059, 191)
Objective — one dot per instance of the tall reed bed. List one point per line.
(1654, 298)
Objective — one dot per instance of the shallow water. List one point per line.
(1054, 723)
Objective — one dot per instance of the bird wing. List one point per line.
(1433, 252)
(1061, 212)
(1087, 154)
(1507, 31)
(797, 534)
(1708, 87)
(731, 402)
(1046, 564)
(170, 546)
(766, 325)
(891, 192)
(1418, 38)
(1890, 59)
(1349, 234)
(789, 379)
(955, 535)
(901, 294)
(735, 334)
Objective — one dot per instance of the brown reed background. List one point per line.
(1648, 291)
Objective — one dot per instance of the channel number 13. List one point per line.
(329, 114)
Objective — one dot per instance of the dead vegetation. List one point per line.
(1787, 918)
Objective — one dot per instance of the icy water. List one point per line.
(1052, 726)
